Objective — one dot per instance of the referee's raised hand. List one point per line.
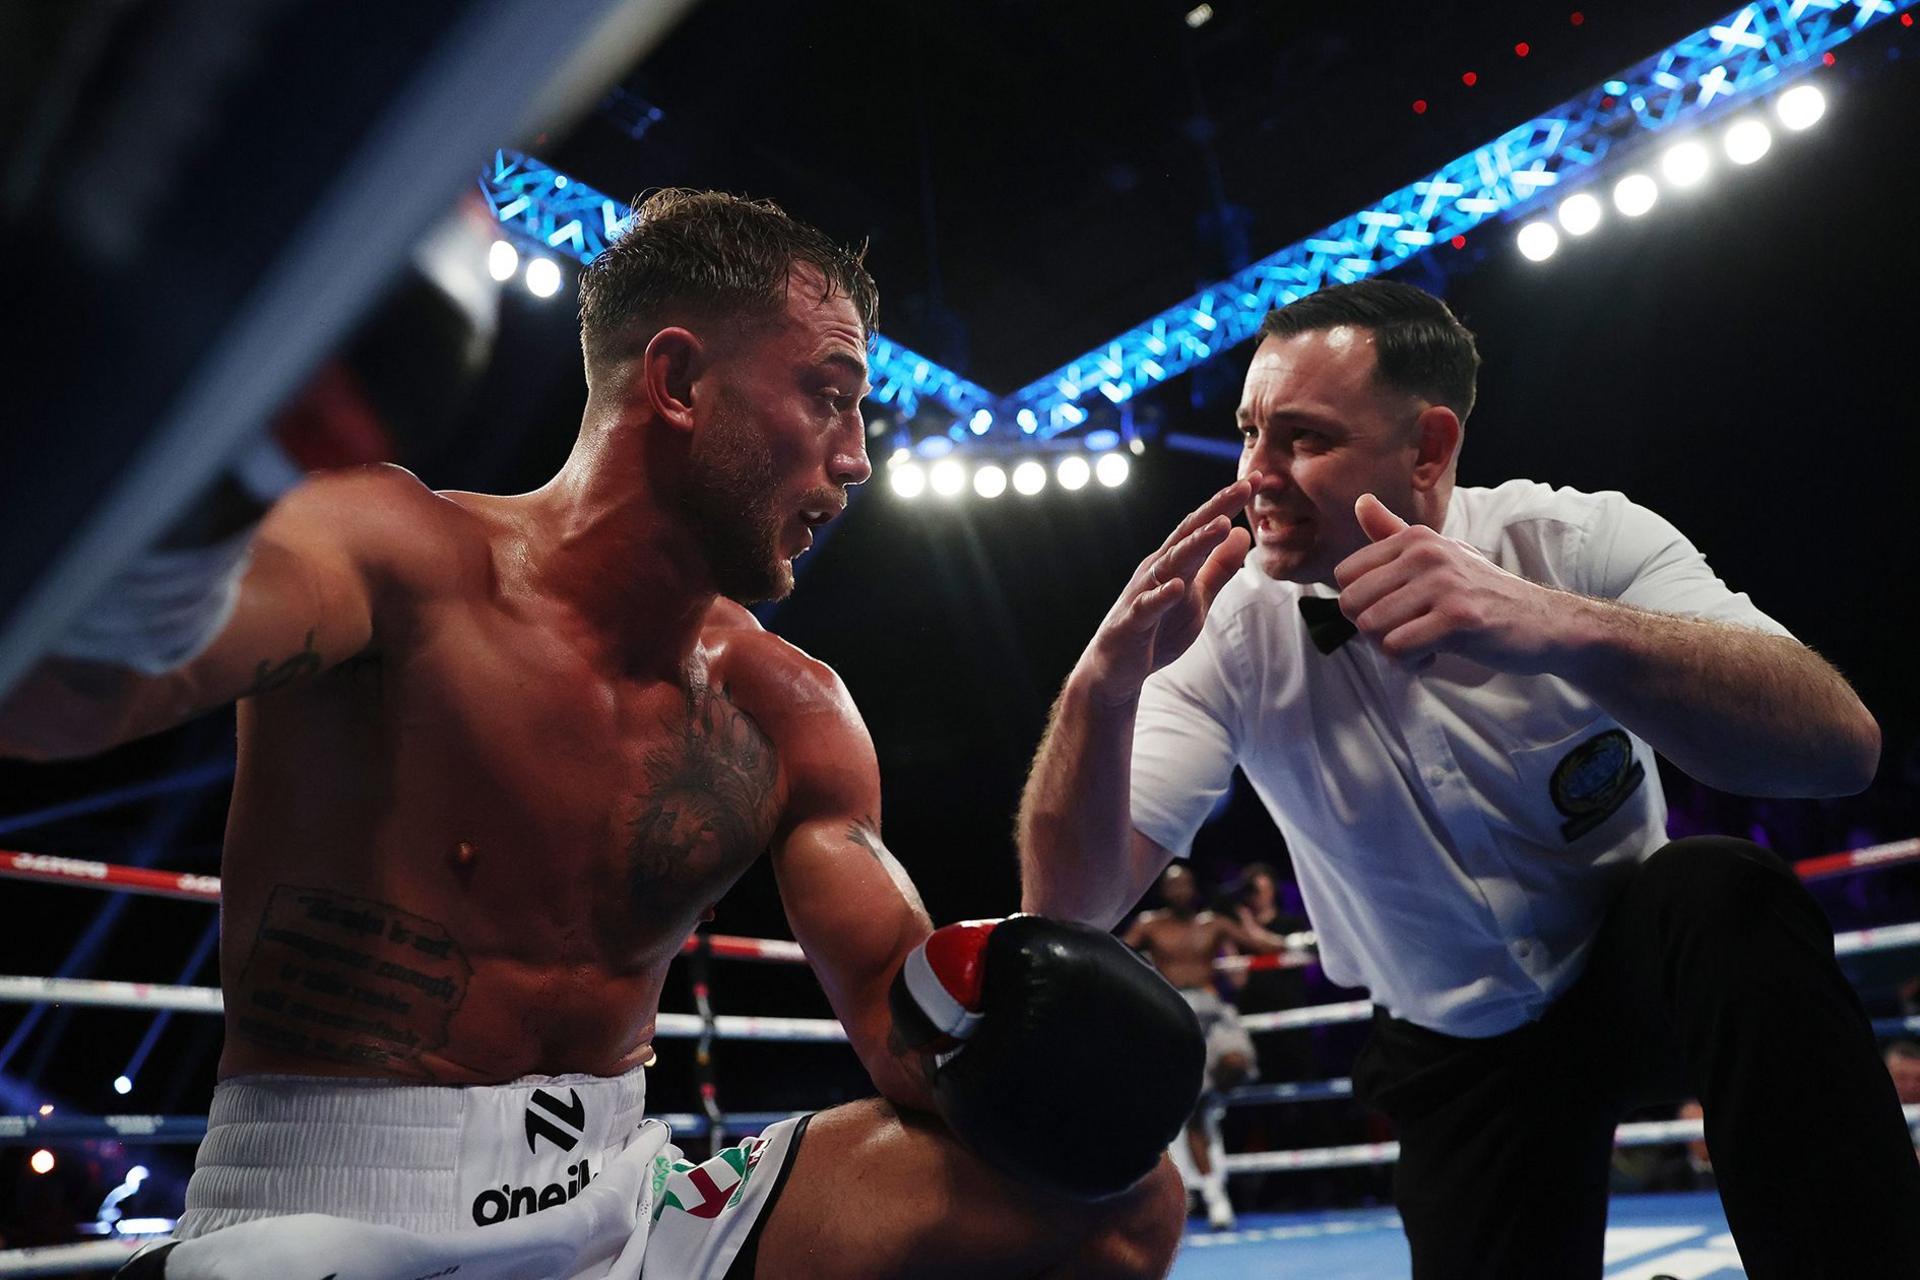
(1161, 610)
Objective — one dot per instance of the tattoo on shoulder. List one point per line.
(269, 675)
(346, 979)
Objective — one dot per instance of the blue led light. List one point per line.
(1753, 51)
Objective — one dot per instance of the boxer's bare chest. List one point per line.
(644, 797)
(1183, 948)
(534, 836)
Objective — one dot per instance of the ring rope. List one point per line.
(1645, 1133)
(1298, 953)
(17, 989)
(85, 873)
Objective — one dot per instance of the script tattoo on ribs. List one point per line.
(708, 806)
(349, 979)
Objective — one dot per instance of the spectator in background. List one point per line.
(1675, 1166)
(1699, 1160)
(1182, 941)
(1903, 1064)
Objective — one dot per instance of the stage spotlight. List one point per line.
(1634, 194)
(1073, 472)
(1028, 421)
(1579, 213)
(981, 422)
(122, 1086)
(502, 261)
(1685, 163)
(948, 477)
(41, 1161)
(543, 277)
(1111, 470)
(908, 480)
(1800, 107)
(1537, 241)
(46, 1108)
(1029, 478)
(1747, 140)
(990, 481)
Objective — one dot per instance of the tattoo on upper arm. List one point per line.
(865, 833)
(269, 676)
(345, 979)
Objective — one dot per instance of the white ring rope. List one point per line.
(17, 989)
(1644, 1133)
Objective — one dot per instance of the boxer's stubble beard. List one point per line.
(726, 501)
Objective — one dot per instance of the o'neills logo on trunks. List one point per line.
(492, 1206)
(561, 1123)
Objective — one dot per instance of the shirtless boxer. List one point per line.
(1183, 941)
(497, 757)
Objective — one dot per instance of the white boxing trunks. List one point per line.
(1220, 1023)
(549, 1176)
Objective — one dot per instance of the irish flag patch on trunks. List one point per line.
(704, 1189)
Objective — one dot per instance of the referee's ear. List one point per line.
(1437, 435)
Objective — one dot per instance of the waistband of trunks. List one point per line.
(372, 1150)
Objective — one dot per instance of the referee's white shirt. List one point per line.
(1457, 833)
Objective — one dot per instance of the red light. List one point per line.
(1826, 59)
(1419, 106)
(1606, 103)
(1458, 242)
(1469, 79)
(1576, 17)
(1906, 19)
(1522, 49)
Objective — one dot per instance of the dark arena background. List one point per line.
(1076, 213)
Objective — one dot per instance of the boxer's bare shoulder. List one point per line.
(802, 705)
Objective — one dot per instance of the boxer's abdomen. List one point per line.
(475, 863)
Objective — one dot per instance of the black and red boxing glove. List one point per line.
(1061, 1057)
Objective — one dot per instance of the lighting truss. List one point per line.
(1753, 51)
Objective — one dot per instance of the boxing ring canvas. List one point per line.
(1681, 1235)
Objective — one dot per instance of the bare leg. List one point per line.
(1196, 1136)
(876, 1194)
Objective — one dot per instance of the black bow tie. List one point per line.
(1327, 627)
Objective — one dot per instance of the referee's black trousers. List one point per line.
(1713, 976)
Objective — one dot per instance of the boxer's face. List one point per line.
(1177, 889)
(1321, 432)
(1260, 895)
(780, 441)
